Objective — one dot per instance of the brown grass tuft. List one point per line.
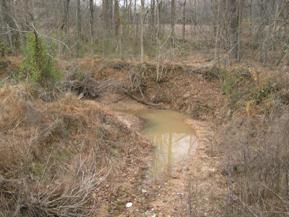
(55, 155)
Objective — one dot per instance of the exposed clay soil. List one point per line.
(196, 189)
(181, 87)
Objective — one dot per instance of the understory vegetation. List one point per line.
(254, 142)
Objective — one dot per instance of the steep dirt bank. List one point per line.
(186, 88)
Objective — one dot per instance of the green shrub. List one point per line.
(38, 66)
(236, 85)
(230, 82)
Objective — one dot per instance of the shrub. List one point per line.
(256, 165)
(236, 86)
(242, 90)
(38, 66)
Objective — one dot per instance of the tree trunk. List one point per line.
(116, 18)
(65, 25)
(173, 14)
(91, 21)
(142, 32)
(107, 13)
(152, 18)
(234, 31)
(159, 17)
(117, 23)
(184, 21)
(13, 37)
(136, 22)
(78, 16)
(217, 27)
(130, 12)
(29, 17)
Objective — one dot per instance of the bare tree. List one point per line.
(234, 27)
(91, 21)
(173, 14)
(65, 25)
(213, 24)
(152, 17)
(142, 31)
(117, 23)
(78, 15)
(184, 20)
(10, 25)
(107, 13)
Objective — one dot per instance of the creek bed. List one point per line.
(173, 140)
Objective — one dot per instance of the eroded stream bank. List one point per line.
(87, 136)
(182, 177)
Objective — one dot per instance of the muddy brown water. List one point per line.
(173, 139)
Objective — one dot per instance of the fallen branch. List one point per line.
(89, 87)
(142, 101)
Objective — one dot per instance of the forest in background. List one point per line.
(156, 29)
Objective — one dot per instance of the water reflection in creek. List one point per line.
(173, 139)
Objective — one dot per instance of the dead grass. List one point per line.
(254, 143)
(13, 98)
(256, 166)
(56, 156)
